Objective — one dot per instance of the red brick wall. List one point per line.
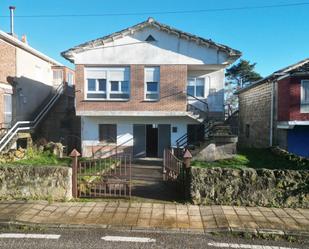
(173, 79)
(7, 69)
(289, 93)
(7, 61)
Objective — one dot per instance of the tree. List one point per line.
(238, 76)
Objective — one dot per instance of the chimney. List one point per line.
(24, 39)
(12, 8)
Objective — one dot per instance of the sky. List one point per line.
(271, 37)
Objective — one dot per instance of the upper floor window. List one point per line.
(152, 83)
(305, 91)
(107, 83)
(70, 79)
(196, 87)
(57, 76)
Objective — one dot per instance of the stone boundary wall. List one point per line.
(33, 182)
(250, 187)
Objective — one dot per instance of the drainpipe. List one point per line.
(271, 114)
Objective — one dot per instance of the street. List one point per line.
(105, 238)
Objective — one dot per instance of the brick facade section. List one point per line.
(7, 71)
(7, 62)
(254, 110)
(173, 80)
(289, 99)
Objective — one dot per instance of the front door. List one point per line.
(139, 137)
(151, 141)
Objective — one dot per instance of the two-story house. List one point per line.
(140, 89)
(275, 110)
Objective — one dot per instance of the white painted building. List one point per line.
(141, 89)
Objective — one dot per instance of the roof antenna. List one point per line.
(12, 8)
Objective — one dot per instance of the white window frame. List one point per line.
(195, 85)
(303, 101)
(108, 91)
(70, 77)
(145, 85)
(8, 110)
(58, 80)
(96, 86)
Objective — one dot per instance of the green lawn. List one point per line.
(34, 157)
(256, 158)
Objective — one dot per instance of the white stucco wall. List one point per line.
(168, 49)
(34, 84)
(33, 67)
(90, 130)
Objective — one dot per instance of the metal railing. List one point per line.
(28, 125)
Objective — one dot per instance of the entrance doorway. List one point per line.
(151, 141)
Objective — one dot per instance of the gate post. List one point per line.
(74, 155)
(187, 173)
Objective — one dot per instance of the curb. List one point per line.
(296, 233)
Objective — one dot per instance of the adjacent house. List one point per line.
(141, 89)
(275, 110)
(29, 80)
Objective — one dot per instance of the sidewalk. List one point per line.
(152, 216)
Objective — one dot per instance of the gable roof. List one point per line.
(17, 43)
(299, 67)
(150, 22)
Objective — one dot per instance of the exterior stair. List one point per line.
(11, 135)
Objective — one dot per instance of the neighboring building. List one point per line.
(27, 79)
(30, 83)
(141, 89)
(275, 110)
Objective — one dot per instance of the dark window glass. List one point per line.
(108, 133)
(190, 90)
(96, 95)
(247, 130)
(102, 85)
(152, 96)
(200, 91)
(152, 86)
(119, 96)
(125, 86)
(115, 86)
(91, 84)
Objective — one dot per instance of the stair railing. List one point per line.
(28, 125)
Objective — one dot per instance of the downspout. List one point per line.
(271, 114)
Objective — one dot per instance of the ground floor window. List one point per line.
(108, 133)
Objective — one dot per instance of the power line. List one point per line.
(163, 12)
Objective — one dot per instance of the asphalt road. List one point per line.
(104, 238)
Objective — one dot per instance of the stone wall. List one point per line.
(254, 116)
(250, 187)
(32, 182)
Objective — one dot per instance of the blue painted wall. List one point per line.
(298, 141)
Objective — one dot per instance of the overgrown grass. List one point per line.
(255, 158)
(34, 157)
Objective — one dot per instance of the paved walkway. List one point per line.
(157, 216)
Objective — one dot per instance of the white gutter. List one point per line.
(14, 41)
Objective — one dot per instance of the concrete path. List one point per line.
(121, 214)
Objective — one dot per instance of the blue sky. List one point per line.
(273, 38)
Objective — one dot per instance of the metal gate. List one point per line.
(107, 177)
(177, 171)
